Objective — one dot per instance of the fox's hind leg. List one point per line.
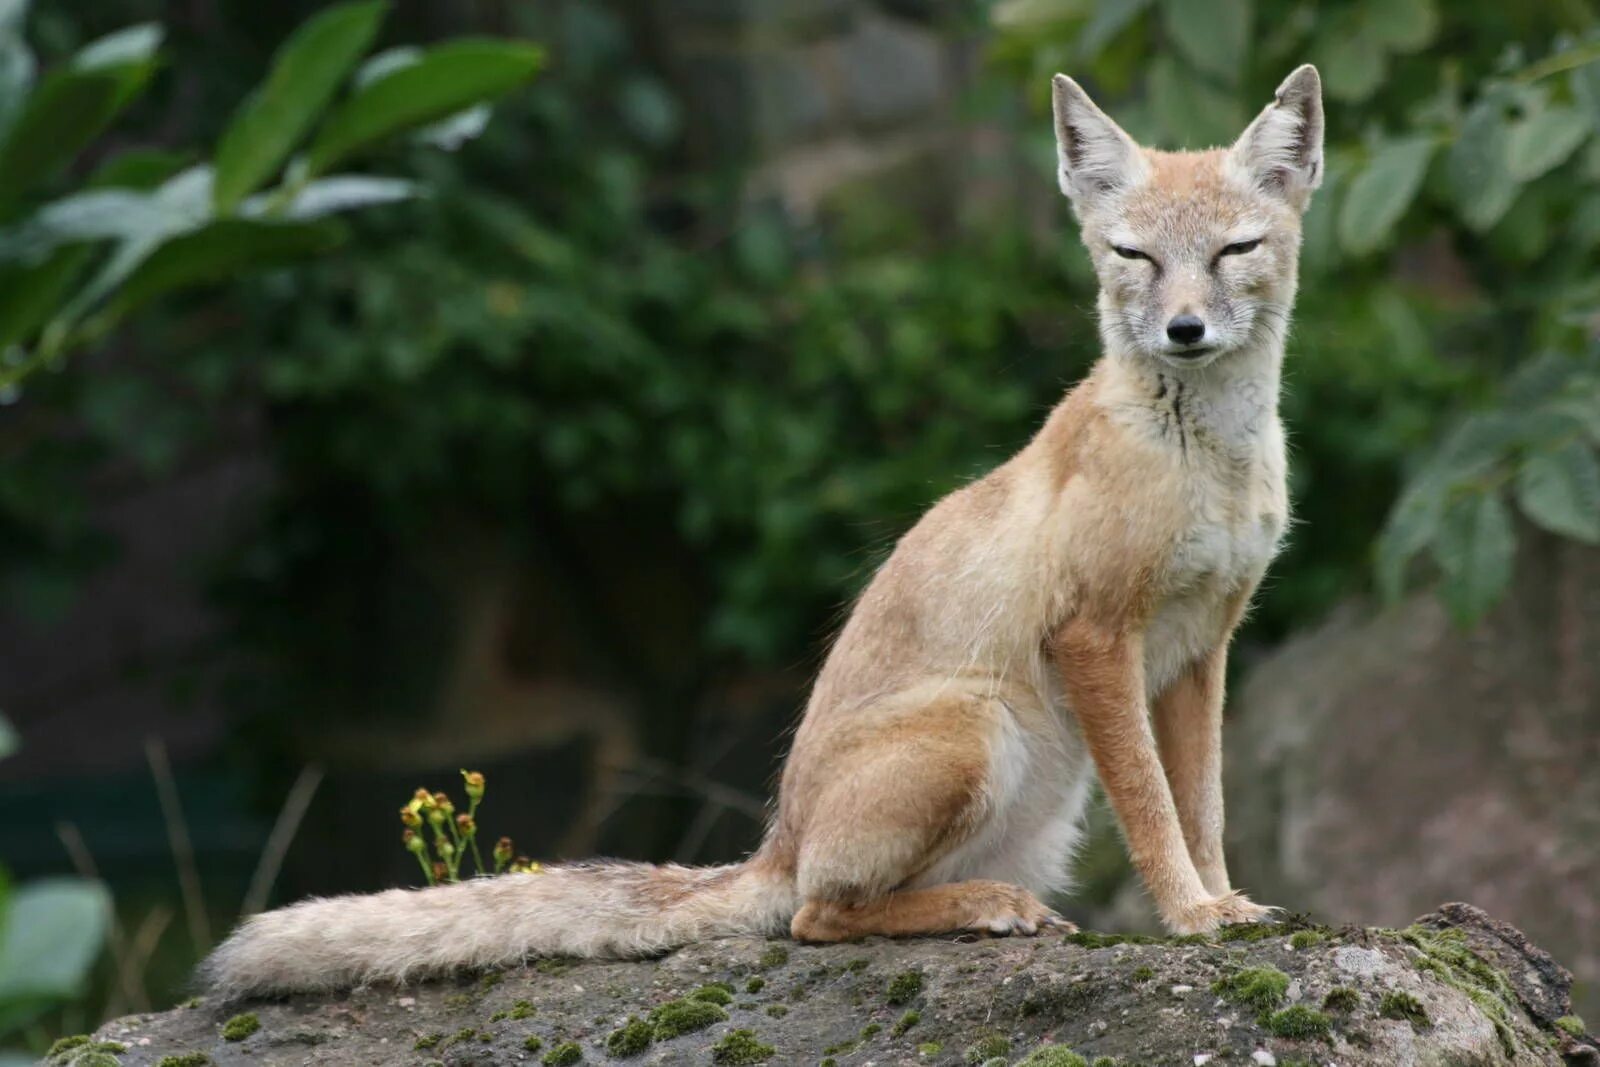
(989, 907)
(891, 802)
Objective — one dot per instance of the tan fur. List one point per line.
(1068, 614)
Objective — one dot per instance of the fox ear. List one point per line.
(1096, 156)
(1281, 151)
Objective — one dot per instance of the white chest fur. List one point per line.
(1232, 487)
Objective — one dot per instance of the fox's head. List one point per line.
(1196, 251)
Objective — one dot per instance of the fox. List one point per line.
(1063, 619)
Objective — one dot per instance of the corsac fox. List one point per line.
(1068, 615)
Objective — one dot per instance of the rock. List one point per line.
(1385, 761)
(1455, 988)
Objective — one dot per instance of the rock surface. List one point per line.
(1387, 761)
(1456, 988)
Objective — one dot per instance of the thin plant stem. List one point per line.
(194, 901)
(278, 841)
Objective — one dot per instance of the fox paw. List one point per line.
(1206, 915)
(1002, 910)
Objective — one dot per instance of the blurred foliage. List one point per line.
(170, 226)
(1450, 256)
(568, 330)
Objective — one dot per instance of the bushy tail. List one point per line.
(605, 909)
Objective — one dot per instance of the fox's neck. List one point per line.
(1228, 404)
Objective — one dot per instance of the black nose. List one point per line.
(1186, 329)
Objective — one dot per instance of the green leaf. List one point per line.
(1411, 526)
(445, 80)
(343, 192)
(95, 215)
(53, 932)
(1480, 180)
(449, 133)
(1213, 36)
(1585, 82)
(138, 168)
(1351, 62)
(1560, 491)
(1543, 141)
(130, 45)
(17, 68)
(1476, 548)
(1381, 193)
(1401, 25)
(307, 71)
(30, 296)
(219, 250)
(69, 109)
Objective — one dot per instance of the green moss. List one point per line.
(1090, 939)
(631, 1039)
(1261, 988)
(1445, 955)
(755, 985)
(485, 1036)
(987, 1049)
(185, 1059)
(776, 956)
(828, 1061)
(113, 1047)
(533, 1042)
(1398, 1004)
(427, 1041)
(678, 1017)
(1341, 998)
(240, 1026)
(870, 1031)
(714, 993)
(741, 1046)
(554, 965)
(929, 1048)
(458, 1002)
(1299, 1022)
(904, 987)
(1103, 1061)
(1143, 974)
(490, 980)
(857, 965)
(568, 1052)
(906, 1022)
(1053, 1056)
(521, 1010)
(777, 1011)
(67, 1044)
(1189, 939)
(1307, 938)
(1250, 931)
(466, 1033)
(1572, 1025)
(95, 1058)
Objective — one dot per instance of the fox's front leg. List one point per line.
(1102, 669)
(1188, 724)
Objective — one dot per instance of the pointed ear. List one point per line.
(1281, 151)
(1096, 156)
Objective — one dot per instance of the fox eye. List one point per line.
(1129, 253)
(1239, 248)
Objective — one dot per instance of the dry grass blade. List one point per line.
(278, 842)
(194, 901)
